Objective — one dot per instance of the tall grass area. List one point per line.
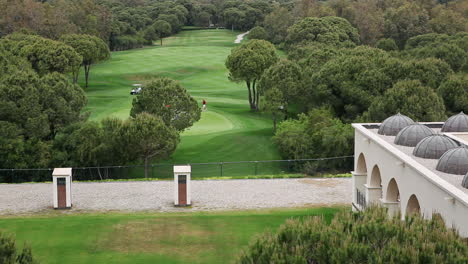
(147, 237)
(228, 131)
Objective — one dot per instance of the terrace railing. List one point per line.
(240, 169)
(361, 199)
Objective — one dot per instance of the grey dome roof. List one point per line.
(392, 125)
(454, 161)
(456, 123)
(433, 147)
(412, 134)
(465, 181)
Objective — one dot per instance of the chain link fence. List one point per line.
(241, 169)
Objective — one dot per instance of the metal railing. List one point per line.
(361, 199)
(240, 169)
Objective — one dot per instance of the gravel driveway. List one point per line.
(158, 195)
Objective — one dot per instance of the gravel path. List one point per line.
(240, 37)
(158, 195)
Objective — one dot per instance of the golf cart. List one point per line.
(136, 89)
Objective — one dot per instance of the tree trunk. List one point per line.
(274, 122)
(252, 105)
(161, 41)
(257, 95)
(254, 93)
(99, 173)
(76, 73)
(146, 167)
(87, 68)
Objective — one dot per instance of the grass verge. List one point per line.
(205, 237)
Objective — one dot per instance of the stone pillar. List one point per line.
(182, 190)
(61, 188)
(393, 207)
(358, 180)
(373, 195)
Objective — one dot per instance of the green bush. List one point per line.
(317, 134)
(368, 237)
(9, 254)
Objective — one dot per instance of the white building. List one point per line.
(410, 167)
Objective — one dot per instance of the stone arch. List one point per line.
(374, 186)
(413, 206)
(375, 178)
(361, 166)
(393, 193)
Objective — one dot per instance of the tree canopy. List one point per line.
(167, 99)
(45, 55)
(419, 102)
(334, 31)
(257, 32)
(450, 49)
(149, 138)
(454, 92)
(92, 49)
(33, 108)
(39, 106)
(163, 29)
(350, 81)
(248, 62)
(406, 21)
(358, 237)
(276, 25)
(281, 84)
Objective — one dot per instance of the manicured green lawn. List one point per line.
(147, 237)
(228, 131)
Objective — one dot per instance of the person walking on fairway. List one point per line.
(204, 105)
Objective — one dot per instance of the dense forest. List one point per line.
(347, 61)
(125, 24)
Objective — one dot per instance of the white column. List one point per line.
(189, 193)
(54, 191)
(176, 189)
(393, 207)
(373, 195)
(68, 182)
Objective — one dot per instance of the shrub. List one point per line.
(9, 254)
(368, 237)
(316, 135)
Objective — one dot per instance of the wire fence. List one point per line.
(240, 169)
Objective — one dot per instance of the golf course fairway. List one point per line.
(227, 131)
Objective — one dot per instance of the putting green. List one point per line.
(210, 122)
(228, 131)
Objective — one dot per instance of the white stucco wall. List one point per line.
(433, 193)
